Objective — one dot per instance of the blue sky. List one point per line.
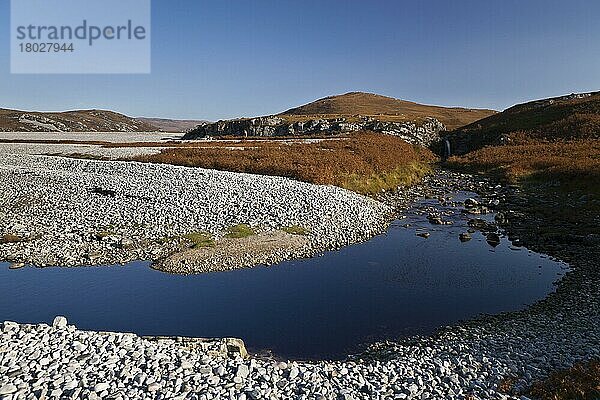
(221, 59)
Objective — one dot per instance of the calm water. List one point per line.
(394, 285)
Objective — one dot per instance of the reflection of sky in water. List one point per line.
(393, 285)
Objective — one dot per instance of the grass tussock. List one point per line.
(582, 382)
(574, 162)
(404, 175)
(240, 231)
(364, 162)
(295, 230)
(200, 239)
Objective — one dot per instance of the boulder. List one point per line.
(59, 322)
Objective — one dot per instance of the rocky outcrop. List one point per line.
(424, 133)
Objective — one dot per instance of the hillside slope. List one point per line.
(555, 139)
(70, 121)
(172, 125)
(385, 109)
(576, 116)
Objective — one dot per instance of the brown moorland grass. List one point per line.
(384, 108)
(581, 382)
(573, 162)
(364, 162)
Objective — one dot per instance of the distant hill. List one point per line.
(575, 116)
(352, 112)
(71, 121)
(384, 109)
(172, 125)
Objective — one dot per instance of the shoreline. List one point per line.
(471, 358)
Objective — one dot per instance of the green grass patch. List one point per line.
(200, 239)
(405, 175)
(295, 230)
(240, 231)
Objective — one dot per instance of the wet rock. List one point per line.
(437, 220)
(470, 202)
(493, 239)
(482, 225)
(465, 237)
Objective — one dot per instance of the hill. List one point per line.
(172, 125)
(70, 121)
(576, 116)
(352, 112)
(384, 109)
(555, 139)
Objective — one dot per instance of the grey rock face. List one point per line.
(423, 134)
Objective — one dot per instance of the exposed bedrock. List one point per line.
(422, 133)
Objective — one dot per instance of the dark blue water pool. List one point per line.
(394, 285)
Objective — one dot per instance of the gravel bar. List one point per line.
(70, 212)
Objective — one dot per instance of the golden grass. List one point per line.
(570, 162)
(405, 175)
(364, 162)
(582, 382)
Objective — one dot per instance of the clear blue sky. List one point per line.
(220, 59)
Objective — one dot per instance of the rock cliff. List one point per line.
(424, 133)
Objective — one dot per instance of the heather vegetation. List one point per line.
(571, 163)
(574, 117)
(366, 163)
(582, 382)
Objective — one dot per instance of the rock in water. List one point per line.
(465, 237)
(493, 239)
